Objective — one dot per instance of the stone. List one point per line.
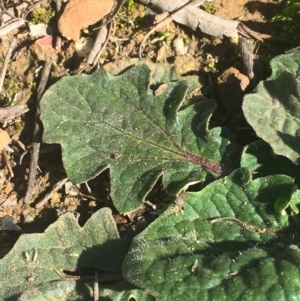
(79, 14)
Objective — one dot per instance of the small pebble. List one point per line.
(180, 200)
(28, 219)
(179, 46)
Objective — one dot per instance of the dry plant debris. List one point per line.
(4, 139)
(79, 14)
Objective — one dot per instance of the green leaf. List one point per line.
(59, 290)
(274, 109)
(260, 158)
(286, 62)
(160, 72)
(225, 243)
(124, 291)
(116, 122)
(38, 259)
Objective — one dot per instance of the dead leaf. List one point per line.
(80, 14)
(161, 89)
(4, 139)
(232, 85)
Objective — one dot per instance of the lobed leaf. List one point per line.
(117, 122)
(38, 261)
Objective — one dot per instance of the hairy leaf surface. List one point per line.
(260, 158)
(117, 122)
(273, 110)
(38, 259)
(225, 243)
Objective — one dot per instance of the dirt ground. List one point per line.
(209, 58)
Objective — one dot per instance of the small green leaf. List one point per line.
(226, 243)
(260, 158)
(286, 62)
(273, 110)
(38, 259)
(116, 122)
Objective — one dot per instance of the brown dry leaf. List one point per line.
(80, 14)
(232, 85)
(4, 139)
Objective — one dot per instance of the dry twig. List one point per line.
(113, 13)
(103, 35)
(58, 14)
(58, 185)
(99, 45)
(8, 114)
(10, 26)
(6, 159)
(96, 287)
(5, 10)
(37, 133)
(6, 61)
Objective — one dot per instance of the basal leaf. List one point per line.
(117, 122)
(38, 259)
(225, 243)
(273, 110)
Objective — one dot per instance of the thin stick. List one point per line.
(56, 187)
(9, 26)
(97, 58)
(5, 10)
(6, 61)
(5, 156)
(232, 219)
(37, 134)
(96, 287)
(113, 13)
(22, 156)
(101, 38)
(58, 14)
(243, 28)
